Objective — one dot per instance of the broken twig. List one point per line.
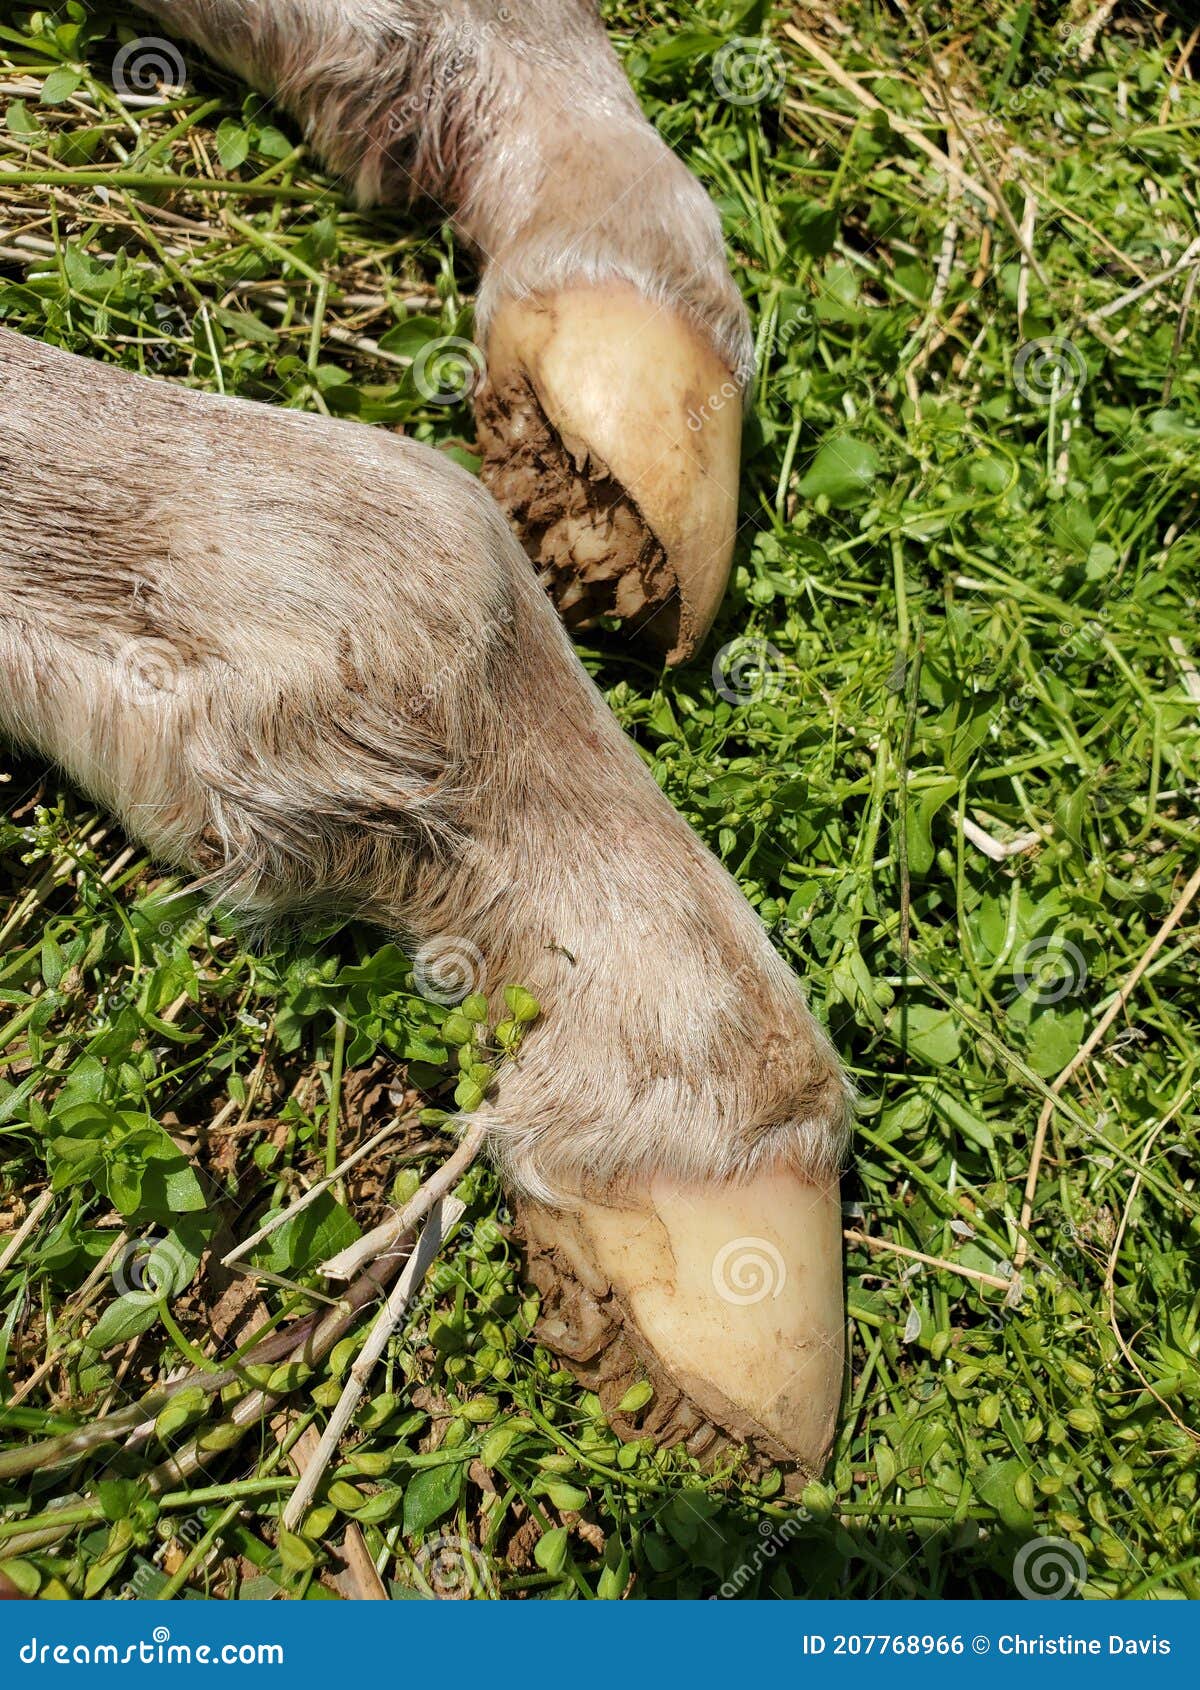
(444, 1214)
(375, 1244)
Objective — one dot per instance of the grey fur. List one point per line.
(516, 119)
(308, 660)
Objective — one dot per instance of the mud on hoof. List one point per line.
(611, 435)
(592, 548)
(585, 1323)
(590, 1323)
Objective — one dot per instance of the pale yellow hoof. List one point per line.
(611, 435)
(728, 1299)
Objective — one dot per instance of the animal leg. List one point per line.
(308, 659)
(617, 347)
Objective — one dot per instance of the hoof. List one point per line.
(728, 1299)
(611, 435)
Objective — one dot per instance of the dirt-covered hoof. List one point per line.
(727, 1299)
(611, 436)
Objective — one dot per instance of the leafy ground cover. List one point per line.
(946, 737)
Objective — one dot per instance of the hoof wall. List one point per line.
(611, 435)
(727, 1299)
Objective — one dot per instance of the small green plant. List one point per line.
(945, 736)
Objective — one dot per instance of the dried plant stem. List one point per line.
(442, 1217)
(13, 1248)
(898, 125)
(852, 1236)
(377, 1243)
(311, 1195)
(1085, 1050)
(312, 1334)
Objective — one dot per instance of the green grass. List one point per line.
(978, 588)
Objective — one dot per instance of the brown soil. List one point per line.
(594, 551)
